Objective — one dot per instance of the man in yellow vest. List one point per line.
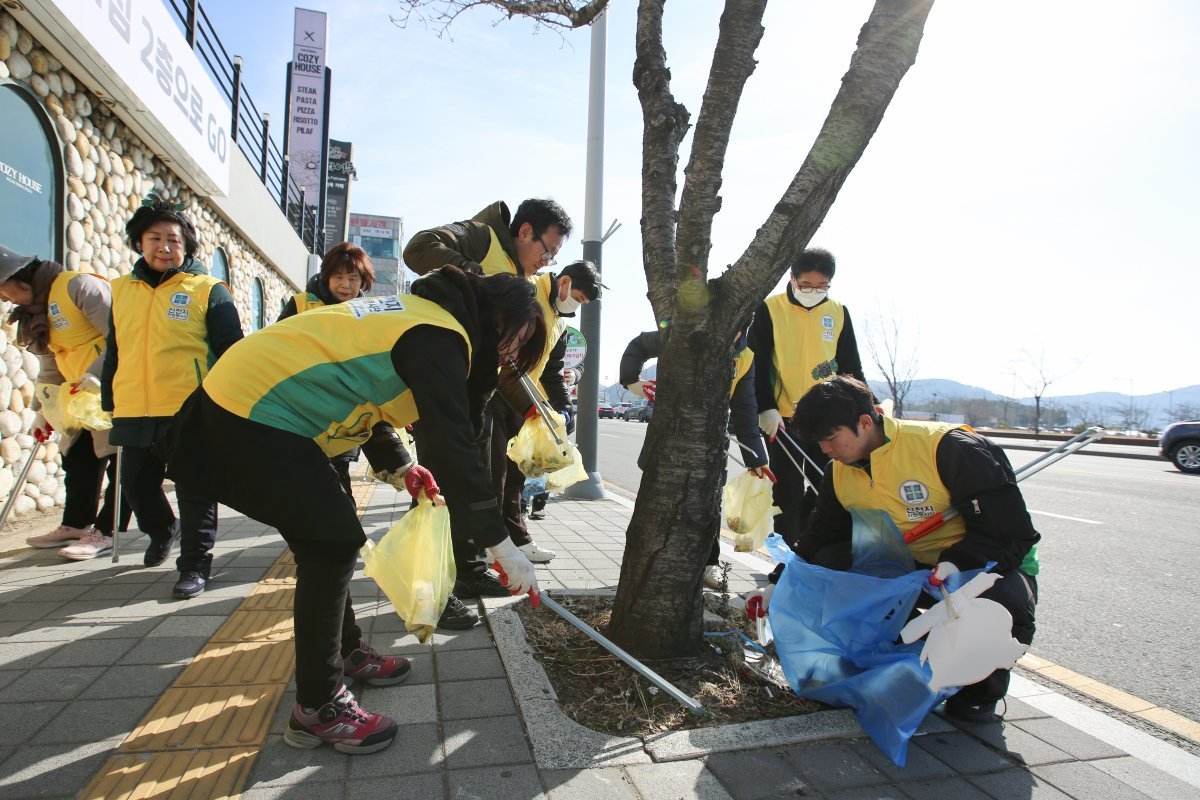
(559, 297)
(493, 242)
(800, 338)
(911, 471)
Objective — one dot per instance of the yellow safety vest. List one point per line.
(741, 365)
(805, 347)
(497, 261)
(327, 374)
(306, 300)
(545, 291)
(163, 336)
(74, 340)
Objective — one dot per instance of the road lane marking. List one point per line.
(1064, 516)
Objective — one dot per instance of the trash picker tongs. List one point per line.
(539, 401)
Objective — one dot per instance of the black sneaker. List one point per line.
(190, 584)
(457, 617)
(976, 713)
(158, 549)
(485, 585)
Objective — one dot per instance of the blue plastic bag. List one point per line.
(836, 634)
(533, 486)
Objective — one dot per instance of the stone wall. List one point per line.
(108, 173)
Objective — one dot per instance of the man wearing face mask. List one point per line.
(559, 297)
(800, 338)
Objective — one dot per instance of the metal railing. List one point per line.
(248, 127)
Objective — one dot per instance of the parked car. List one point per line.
(641, 413)
(620, 408)
(605, 411)
(1180, 443)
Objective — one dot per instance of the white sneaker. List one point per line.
(712, 577)
(58, 537)
(91, 545)
(536, 554)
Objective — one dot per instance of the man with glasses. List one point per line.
(494, 240)
(800, 338)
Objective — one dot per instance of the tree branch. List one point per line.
(733, 63)
(560, 14)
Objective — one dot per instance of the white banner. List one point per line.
(145, 50)
(306, 105)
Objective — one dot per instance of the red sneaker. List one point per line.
(366, 664)
(343, 723)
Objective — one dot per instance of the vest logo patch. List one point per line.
(827, 334)
(177, 313)
(827, 322)
(181, 299)
(60, 323)
(54, 310)
(913, 493)
(918, 513)
(362, 306)
(825, 370)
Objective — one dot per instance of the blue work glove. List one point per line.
(568, 421)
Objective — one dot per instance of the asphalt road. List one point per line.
(1120, 555)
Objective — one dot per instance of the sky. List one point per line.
(1026, 199)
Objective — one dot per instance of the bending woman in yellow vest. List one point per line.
(62, 318)
(260, 431)
(171, 321)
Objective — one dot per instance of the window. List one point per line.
(31, 218)
(219, 268)
(257, 306)
(379, 247)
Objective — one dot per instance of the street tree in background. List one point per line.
(1037, 377)
(893, 353)
(658, 611)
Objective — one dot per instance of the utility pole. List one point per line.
(593, 240)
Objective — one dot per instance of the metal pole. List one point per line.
(593, 242)
(190, 23)
(237, 96)
(262, 170)
(637, 666)
(116, 531)
(19, 483)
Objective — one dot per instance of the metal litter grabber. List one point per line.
(545, 410)
(19, 483)
(800, 450)
(808, 485)
(1072, 445)
(117, 516)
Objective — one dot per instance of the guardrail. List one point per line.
(1008, 433)
(249, 128)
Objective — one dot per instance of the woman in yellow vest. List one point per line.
(62, 318)
(258, 435)
(173, 321)
(911, 471)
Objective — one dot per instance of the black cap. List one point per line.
(11, 263)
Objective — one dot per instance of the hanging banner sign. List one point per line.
(306, 103)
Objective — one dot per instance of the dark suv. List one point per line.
(641, 413)
(1180, 443)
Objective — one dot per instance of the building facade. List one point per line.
(382, 237)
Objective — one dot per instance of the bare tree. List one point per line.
(1185, 411)
(657, 611)
(893, 354)
(1036, 376)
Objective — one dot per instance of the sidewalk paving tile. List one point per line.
(1069, 739)
(406, 704)
(1149, 779)
(964, 753)
(1020, 784)
(85, 719)
(36, 711)
(310, 790)
(757, 774)
(134, 680)
(835, 766)
(53, 770)
(605, 783)
(1019, 745)
(280, 765)
(468, 665)
(417, 749)
(689, 779)
(1081, 779)
(485, 741)
(165, 650)
(483, 698)
(51, 683)
(919, 765)
(519, 782)
(956, 788)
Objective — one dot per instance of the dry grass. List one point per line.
(599, 691)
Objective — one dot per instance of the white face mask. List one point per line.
(568, 306)
(809, 299)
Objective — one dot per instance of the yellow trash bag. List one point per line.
(748, 511)
(534, 450)
(414, 566)
(69, 413)
(569, 475)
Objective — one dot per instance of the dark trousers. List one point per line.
(1017, 592)
(286, 481)
(84, 477)
(794, 500)
(507, 479)
(341, 465)
(142, 473)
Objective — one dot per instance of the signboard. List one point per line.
(144, 50)
(29, 207)
(337, 192)
(306, 140)
(576, 349)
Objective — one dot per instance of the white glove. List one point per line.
(770, 421)
(89, 383)
(395, 478)
(757, 607)
(941, 572)
(516, 571)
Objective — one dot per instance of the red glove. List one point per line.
(417, 479)
(650, 388)
(41, 429)
(532, 413)
(764, 472)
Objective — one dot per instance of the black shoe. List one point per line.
(190, 584)
(457, 617)
(977, 713)
(538, 515)
(485, 585)
(158, 549)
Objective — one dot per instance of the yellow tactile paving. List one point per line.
(255, 626)
(281, 572)
(207, 716)
(270, 596)
(173, 776)
(240, 663)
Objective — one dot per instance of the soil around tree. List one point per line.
(601, 692)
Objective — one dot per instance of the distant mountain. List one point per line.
(934, 389)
